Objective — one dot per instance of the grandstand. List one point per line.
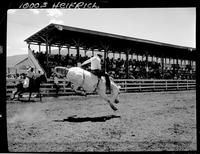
(124, 57)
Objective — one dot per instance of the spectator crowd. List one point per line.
(117, 67)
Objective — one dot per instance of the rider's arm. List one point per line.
(87, 61)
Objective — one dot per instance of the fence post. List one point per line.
(177, 85)
(140, 82)
(126, 86)
(64, 86)
(166, 85)
(187, 85)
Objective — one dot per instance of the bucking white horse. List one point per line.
(90, 83)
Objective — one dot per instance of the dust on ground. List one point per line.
(153, 121)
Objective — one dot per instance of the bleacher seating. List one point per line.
(117, 67)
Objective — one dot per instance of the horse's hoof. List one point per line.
(114, 108)
(116, 101)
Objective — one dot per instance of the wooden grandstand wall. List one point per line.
(127, 85)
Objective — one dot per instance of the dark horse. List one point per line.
(34, 86)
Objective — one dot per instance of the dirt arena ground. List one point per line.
(151, 121)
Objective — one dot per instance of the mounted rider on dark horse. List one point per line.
(30, 84)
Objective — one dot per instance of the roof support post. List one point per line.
(78, 44)
(177, 66)
(29, 46)
(105, 62)
(85, 51)
(59, 49)
(165, 62)
(147, 67)
(127, 63)
(50, 49)
(68, 51)
(59, 56)
(181, 63)
(77, 53)
(162, 65)
(92, 52)
(177, 61)
(105, 47)
(47, 58)
(156, 59)
(39, 47)
(190, 63)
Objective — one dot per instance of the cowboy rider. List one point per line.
(29, 77)
(96, 69)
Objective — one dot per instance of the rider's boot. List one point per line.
(97, 84)
(108, 86)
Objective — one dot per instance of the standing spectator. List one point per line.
(56, 83)
(29, 78)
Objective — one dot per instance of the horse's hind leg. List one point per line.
(14, 95)
(40, 96)
(19, 95)
(29, 96)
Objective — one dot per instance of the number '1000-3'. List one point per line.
(33, 5)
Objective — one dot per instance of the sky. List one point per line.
(167, 25)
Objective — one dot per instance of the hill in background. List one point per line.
(11, 61)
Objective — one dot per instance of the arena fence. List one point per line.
(127, 85)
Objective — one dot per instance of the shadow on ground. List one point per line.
(86, 119)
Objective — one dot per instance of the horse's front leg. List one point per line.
(75, 88)
(105, 97)
(39, 93)
(115, 94)
(19, 95)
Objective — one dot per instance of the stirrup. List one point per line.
(97, 85)
(95, 90)
(108, 91)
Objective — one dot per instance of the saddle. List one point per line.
(99, 74)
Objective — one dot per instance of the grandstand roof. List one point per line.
(60, 35)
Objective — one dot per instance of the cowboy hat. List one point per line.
(100, 55)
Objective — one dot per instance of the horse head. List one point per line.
(61, 71)
(40, 79)
(43, 78)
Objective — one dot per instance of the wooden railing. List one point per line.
(127, 85)
(130, 85)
